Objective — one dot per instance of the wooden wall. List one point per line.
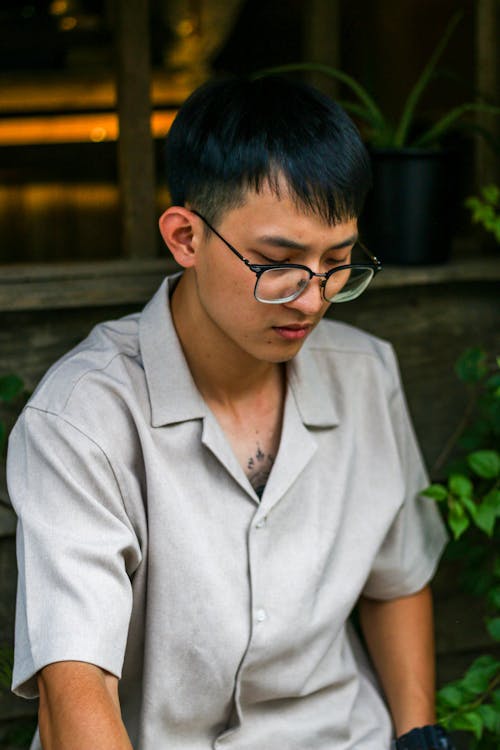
(430, 324)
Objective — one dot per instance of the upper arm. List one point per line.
(410, 551)
(76, 550)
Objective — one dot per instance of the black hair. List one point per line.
(232, 135)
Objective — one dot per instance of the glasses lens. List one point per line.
(281, 284)
(345, 285)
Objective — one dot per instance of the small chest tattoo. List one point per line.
(258, 469)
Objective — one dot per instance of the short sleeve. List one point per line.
(410, 552)
(76, 550)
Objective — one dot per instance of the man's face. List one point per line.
(266, 229)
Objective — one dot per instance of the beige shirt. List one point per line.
(144, 549)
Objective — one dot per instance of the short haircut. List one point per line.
(235, 135)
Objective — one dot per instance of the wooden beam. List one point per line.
(52, 286)
(135, 142)
(75, 91)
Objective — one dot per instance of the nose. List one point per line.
(311, 300)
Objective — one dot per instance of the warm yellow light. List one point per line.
(185, 27)
(67, 23)
(76, 128)
(161, 122)
(98, 134)
(58, 7)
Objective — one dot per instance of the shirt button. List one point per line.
(261, 615)
(261, 523)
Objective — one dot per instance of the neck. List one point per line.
(221, 370)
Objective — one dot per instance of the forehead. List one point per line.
(272, 210)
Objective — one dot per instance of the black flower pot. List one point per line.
(408, 214)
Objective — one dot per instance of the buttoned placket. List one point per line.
(297, 448)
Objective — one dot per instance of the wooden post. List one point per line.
(487, 83)
(321, 40)
(135, 142)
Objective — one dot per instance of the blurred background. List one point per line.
(62, 62)
(88, 90)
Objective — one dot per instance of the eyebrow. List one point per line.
(278, 241)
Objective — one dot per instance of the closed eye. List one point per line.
(273, 261)
(338, 261)
(328, 262)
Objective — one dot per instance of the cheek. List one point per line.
(229, 299)
(224, 276)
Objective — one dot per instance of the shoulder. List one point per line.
(347, 366)
(103, 364)
(350, 344)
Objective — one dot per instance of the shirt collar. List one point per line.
(173, 394)
(312, 387)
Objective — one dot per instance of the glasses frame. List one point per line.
(260, 268)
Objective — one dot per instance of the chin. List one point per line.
(280, 357)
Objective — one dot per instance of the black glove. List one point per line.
(430, 737)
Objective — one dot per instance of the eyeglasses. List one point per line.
(278, 283)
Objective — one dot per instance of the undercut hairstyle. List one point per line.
(235, 135)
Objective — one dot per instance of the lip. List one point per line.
(293, 332)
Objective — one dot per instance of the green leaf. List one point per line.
(491, 193)
(488, 511)
(457, 519)
(471, 506)
(10, 387)
(493, 627)
(460, 486)
(485, 517)
(496, 566)
(479, 675)
(490, 717)
(422, 82)
(494, 597)
(445, 123)
(486, 661)
(485, 464)
(436, 492)
(451, 696)
(469, 722)
(493, 499)
(472, 365)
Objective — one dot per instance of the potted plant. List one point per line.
(408, 217)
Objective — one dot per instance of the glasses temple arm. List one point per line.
(372, 257)
(228, 244)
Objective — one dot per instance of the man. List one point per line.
(207, 489)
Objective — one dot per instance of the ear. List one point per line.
(177, 230)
